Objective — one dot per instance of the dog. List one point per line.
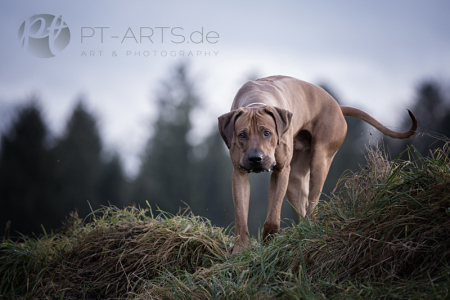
(294, 129)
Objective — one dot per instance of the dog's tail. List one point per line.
(357, 113)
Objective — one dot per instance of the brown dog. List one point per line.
(294, 128)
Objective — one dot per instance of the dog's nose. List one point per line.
(255, 158)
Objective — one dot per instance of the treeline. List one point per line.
(43, 178)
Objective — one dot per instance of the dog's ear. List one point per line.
(282, 119)
(226, 125)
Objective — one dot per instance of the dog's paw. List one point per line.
(269, 230)
(237, 249)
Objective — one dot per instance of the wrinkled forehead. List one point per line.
(253, 118)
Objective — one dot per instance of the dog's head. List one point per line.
(255, 134)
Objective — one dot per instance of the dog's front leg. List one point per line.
(241, 198)
(277, 189)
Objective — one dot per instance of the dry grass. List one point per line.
(121, 249)
(391, 221)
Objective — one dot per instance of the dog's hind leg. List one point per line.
(320, 162)
(326, 141)
(298, 187)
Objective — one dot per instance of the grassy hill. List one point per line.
(384, 233)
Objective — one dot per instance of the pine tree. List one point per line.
(165, 177)
(25, 176)
(79, 164)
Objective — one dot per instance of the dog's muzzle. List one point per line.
(256, 164)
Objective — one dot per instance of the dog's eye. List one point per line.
(267, 133)
(241, 135)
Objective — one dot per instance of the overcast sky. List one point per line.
(373, 54)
